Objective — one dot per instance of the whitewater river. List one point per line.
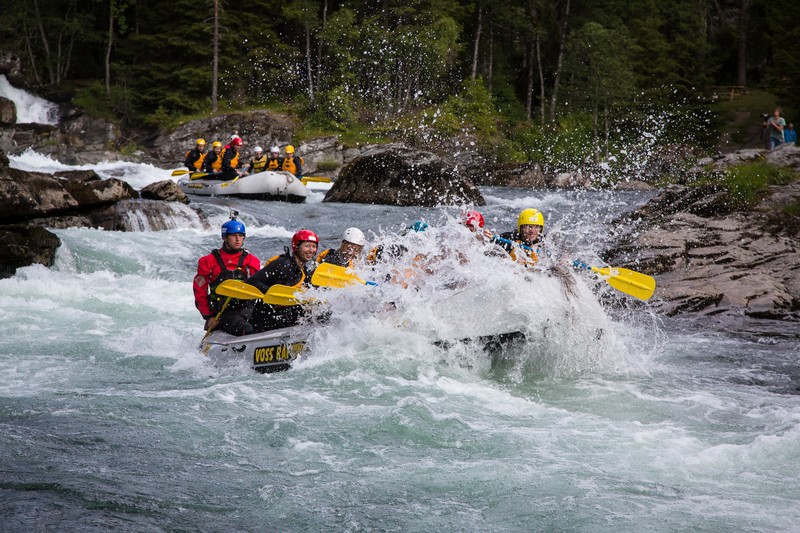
(606, 419)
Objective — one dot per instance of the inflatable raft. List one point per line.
(261, 186)
(271, 351)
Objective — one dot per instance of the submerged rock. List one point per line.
(400, 176)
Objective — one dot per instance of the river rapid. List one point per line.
(607, 418)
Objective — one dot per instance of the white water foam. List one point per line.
(138, 175)
(30, 108)
(464, 294)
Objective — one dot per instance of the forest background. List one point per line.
(566, 81)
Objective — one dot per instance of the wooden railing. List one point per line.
(730, 91)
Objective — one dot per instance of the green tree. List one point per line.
(599, 78)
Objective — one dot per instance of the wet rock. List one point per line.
(23, 245)
(3, 160)
(734, 264)
(25, 195)
(785, 156)
(8, 112)
(91, 191)
(511, 175)
(401, 176)
(166, 190)
(705, 200)
(11, 67)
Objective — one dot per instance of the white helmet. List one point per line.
(234, 136)
(355, 236)
(257, 149)
(275, 150)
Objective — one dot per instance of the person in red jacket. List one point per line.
(231, 261)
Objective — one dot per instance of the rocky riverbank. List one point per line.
(710, 259)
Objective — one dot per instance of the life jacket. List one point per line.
(215, 300)
(234, 160)
(334, 257)
(274, 164)
(530, 256)
(217, 164)
(259, 164)
(289, 166)
(198, 163)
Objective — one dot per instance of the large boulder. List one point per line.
(24, 195)
(22, 245)
(397, 175)
(91, 191)
(11, 67)
(166, 190)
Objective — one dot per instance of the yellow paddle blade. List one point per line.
(198, 175)
(334, 276)
(230, 182)
(180, 172)
(630, 282)
(281, 295)
(239, 289)
(315, 179)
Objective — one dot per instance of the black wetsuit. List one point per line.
(334, 257)
(281, 270)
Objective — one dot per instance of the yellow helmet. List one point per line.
(215, 144)
(290, 149)
(201, 141)
(530, 216)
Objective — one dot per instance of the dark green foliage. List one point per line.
(634, 72)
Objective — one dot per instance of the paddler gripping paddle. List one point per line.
(194, 175)
(630, 282)
(275, 295)
(336, 277)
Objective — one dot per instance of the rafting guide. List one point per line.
(230, 261)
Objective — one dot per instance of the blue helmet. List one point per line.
(231, 227)
(418, 226)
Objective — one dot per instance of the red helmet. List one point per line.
(304, 235)
(474, 218)
(236, 141)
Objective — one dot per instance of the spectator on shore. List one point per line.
(790, 134)
(776, 126)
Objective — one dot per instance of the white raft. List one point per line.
(266, 185)
(271, 351)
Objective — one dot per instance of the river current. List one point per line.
(608, 418)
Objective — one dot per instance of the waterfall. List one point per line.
(30, 108)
